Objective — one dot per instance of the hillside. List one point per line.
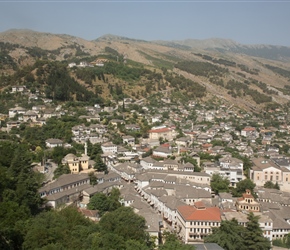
(251, 77)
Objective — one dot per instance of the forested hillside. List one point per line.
(136, 69)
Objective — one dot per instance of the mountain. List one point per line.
(281, 53)
(251, 76)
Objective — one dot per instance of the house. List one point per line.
(109, 148)
(65, 189)
(267, 170)
(162, 132)
(18, 89)
(231, 168)
(129, 140)
(281, 225)
(16, 111)
(247, 203)
(204, 138)
(194, 223)
(156, 118)
(12, 124)
(71, 65)
(132, 127)
(183, 141)
(30, 116)
(52, 143)
(228, 167)
(162, 151)
(147, 162)
(127, 170)
(76, 164)
(249, 131)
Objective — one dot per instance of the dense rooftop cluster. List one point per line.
(164, 157)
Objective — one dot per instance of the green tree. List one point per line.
(104, 203)
(124, 223)
(229, 235)
(284, 242)
(173, 243)
(253, 237)
(93, 178)
(270, 184)
(100, 166)
(60, 170)
(66, 228)
(242, 186)
(108, 241)
(99, 202)
(219, 184)
(189, 159)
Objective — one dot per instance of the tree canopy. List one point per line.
(232, 236)
(219, 184)
(242, 186)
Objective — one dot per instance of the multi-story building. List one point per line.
(266, 170)
(109, 147)
(228, 167)
(194, 223)
(76, 164)
(247, 203)
(162, 132)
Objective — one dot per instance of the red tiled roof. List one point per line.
(249, 129)
(199, 204)
(160, 130)
(190, 213)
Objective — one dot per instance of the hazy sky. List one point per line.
(247, 22)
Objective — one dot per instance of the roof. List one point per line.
(249, 129)
(224, 195)
(160, 130)
(88, 213)
(64, 180)
(190, 213)
(54, 141)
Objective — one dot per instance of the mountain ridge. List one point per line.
(241, 65)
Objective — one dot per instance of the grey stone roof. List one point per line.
(64, 180)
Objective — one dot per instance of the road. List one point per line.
(49, 174)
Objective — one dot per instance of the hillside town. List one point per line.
(163, 156)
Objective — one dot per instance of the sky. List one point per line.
(244, 21)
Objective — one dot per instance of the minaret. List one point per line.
(86, 149)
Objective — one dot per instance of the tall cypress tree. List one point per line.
(253, 237)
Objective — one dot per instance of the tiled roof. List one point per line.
(161, 130)
(249, 129)
(190, 213)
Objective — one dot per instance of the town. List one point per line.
(184, 167)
